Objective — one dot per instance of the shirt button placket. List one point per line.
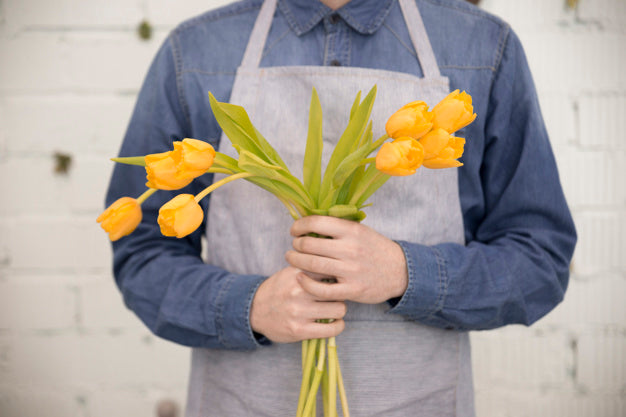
(335, 40)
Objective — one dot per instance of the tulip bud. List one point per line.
(120, 218)
(448, 156)
(192, 157)
(401, 157)
(180, 216)
(412, 120)
(454, 112)
(162, 172)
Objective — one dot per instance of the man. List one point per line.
(441, 253)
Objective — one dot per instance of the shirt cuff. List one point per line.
(427, 284)
(234, 302)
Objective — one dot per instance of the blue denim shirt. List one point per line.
(519, 232)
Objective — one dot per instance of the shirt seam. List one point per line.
(178, 64)
(217, 14)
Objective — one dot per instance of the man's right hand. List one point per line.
(283, 312)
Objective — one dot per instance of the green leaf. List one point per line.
(353, 132)
(131, 160)
(349, 165)
(355, 105)
(225, 161)
(236, 125)
(312, 164)
(277, 174)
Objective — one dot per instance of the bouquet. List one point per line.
(358, 166)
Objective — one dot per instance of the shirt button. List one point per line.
(334, 18)
(335, 63)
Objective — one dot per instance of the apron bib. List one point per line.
(391, 366)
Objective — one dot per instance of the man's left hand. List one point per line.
(369, 267)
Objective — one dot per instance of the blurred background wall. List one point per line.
(69, 74)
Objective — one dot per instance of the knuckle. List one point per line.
(294, 329)
(343, 310)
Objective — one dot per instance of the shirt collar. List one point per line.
(364, 16)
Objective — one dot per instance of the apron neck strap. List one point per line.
(412, 17)
(419, 37)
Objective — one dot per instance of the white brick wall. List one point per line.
(69, 73)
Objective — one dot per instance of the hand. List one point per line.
(283, 312)
(369, 268)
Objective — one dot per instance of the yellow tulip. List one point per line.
(193, 157)
(434, 142)
(412, 120)
(120, 218)
(401, 157)
(162, 172)
(180, 216)
(454, 112)
(448, 156)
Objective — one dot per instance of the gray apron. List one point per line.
(391, 366)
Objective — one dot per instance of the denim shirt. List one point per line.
(519, 232)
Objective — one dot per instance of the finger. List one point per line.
(330, 248)
(321, 225)
(313, 263)
(316, 330)
(323, 291)
(324, 310)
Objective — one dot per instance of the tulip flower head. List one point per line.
(454, 112)
(120, 218)
(412, 120)
(180, 216)
(401, 157)
(162, 173)
(193, 158)
(448, 156)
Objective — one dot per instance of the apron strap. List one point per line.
(254, 50)
(419, 37)
(412, 17)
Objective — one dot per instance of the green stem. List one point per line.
(342, 391)
(317, 378)
(306, 375)
(145, 195)
(221, 182)
(332, 377)
(379, 142)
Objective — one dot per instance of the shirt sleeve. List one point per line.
(163, 279)
(514, 267)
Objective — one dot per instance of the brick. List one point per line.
(518, 357)
(76, 61)
(107, 360)
(54, 243)
(530, 14)
(40, 303)
(41, 190)
(172, 12)
(37, 402)
(558, 112)
(576, 61)
(590, 303)
(29, 14)
(97, 123)
(602, 121)
(498, 402)
(128, 402)
(102, 306)
(601, 242)
(608, 14)
(593, 178)
(601, 360)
